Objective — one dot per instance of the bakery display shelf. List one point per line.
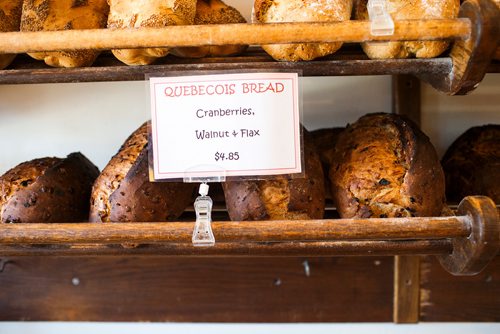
(465, 243)
(475, 34)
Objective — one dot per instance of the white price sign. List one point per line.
(243, 124)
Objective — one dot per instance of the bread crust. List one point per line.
(409, 10)
(386, 167)
(123, 192)
(10, 20)
(280, 197)
(148, 13)
(38, 15)
(301, 11)
(472, 164)
(48, 190)
(213, 12)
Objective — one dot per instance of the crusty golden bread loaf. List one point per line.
(409, 10)
(10, 20)
(280, 197)
(386, 167)
(148, 13)
(123, 192)
(301, 11)
(472, 164)
(64, 15)
(47, 190)
(213, 12)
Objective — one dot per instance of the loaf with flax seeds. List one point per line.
(409, 10)
(272, 11)
(213, 12)
(123, 192)
(472, 164)
(386, 167)
(47, 190)
(64, 15)
(10, 20)
(148, 13)
(280, 197)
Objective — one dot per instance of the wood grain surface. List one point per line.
(196, 289)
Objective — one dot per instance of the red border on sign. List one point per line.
(232, 172)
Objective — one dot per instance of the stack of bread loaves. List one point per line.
(64, 15)
(409, 10)
(47, 190)
(273, 11)
(10, 19)
(123, 192)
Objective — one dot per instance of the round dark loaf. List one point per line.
(280, 197)
(472, 164)
(325, 141)
(123, 192)
(386, 167)
(47, 190)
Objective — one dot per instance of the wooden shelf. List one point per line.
(350, 61)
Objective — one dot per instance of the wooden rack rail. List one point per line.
(466, 243)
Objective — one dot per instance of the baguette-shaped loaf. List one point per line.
(472, 164)
(213, 12)
(64, 15)
(386, 167)
(123, 192)
(274, 11)
(409, 10)
(47, 190)
(148, 13)
(10, 20)
(280, 197)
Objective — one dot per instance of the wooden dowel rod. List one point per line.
(321, 248)
(247, 231)
(259, 34)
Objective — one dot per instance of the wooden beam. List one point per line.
(406, 289)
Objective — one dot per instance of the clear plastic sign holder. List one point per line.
(381, 21)
(203, 235)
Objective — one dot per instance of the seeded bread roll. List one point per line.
(213, 12)
(280, 197)
(409, 10)
(386, 167)
(47, 190)
(123, 192)
(148, 13)
(472, 164)
(301, 11)
(10, 19)
(64, 15)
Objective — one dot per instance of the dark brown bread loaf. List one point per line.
(47, 190)
(213, 12)
(123, 192)
(280, 197)
(10, 20)
(386, 167)
(472, 164)
(41, 15)
(325, 141)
